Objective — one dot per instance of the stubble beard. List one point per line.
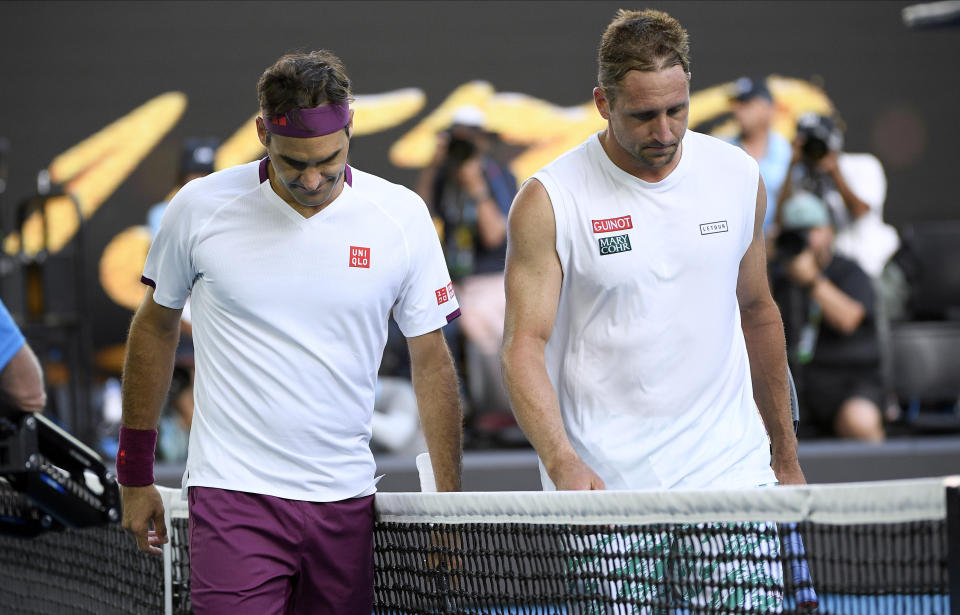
(655, 162)
(295, 193)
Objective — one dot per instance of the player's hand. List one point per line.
(143, 508)
(789, 473)
(573, 474)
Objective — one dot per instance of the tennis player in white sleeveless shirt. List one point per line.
(647, 354)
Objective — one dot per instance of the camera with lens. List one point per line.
(460, 150)
(791, 242)
(818, 136)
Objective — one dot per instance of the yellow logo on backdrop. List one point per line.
(93, 169)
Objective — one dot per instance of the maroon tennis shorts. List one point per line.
(256, 554)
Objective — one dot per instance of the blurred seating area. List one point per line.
(924, 345)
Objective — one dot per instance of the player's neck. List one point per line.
(303, 210)
(630, 164)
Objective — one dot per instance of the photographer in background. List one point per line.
(829, 311)
(469, 193)
(852, 185)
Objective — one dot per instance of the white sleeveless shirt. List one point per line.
(647, 354)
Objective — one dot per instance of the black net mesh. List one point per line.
(658, 569)
(554, 568)
(95, 571)
(180, 565)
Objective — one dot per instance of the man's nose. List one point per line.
(662, 129)
(311, 178)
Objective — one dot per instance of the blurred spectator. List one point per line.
(753, 110)
(853, 186)
(469, 192)
(196, 161)
(21, 378)
(829, 310)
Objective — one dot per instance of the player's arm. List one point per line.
(438, 398)
(533, 278)
(21, 381)
(147, 370)
(766, 347)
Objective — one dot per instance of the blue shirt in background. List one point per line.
(11, 340)
(773, 170)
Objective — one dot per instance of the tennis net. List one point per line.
(881, 548)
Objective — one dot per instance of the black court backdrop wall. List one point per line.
(69, 69)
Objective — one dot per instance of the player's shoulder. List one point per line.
(393, 199)
(568, 172)
(713, 145)
(721, 154)
(203, 196)
(572, 160)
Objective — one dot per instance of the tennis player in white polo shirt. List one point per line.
(293, 265)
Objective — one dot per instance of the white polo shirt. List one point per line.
(647, 354)
(290, 321)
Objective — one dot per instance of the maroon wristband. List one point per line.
(135, 456)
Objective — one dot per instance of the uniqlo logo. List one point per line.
(450, 290)
(608, 225)
(442, 295)
(359, 257)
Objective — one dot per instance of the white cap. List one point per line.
(468, 115)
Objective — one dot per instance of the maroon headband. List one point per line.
(306, 123)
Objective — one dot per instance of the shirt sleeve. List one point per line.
(427, 301)
(11, 340)
(169, 267)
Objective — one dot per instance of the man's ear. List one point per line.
(261, 131)
(603, 104)
(350, 126)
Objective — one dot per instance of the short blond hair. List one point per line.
(647, 40)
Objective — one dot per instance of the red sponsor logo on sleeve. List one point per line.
(359, 257)
(442, 295)
(608, 225)
(450, 291)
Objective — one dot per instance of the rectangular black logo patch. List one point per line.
(709, 228)
(615, 244)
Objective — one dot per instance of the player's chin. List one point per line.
(312, 198)
(658, 157)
